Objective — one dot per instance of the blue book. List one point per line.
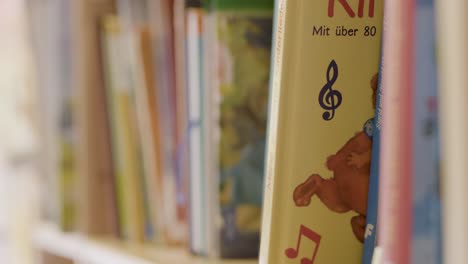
(373, 197)
(426, 237)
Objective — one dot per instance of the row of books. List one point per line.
(155, 120)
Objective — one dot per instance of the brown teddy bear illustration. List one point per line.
(347, 189)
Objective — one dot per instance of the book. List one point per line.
(43, 38)
(452, 39)
(426, 245)
(59, 103)
(130, 192)
(371, 230)
(97, 207)
(152, 149)
(175, 205)
(212, 209)
(325, 62)
(73, 115)
(198, 213)
(238, 89)
(182, 121)
(139, 60)
(396, 156)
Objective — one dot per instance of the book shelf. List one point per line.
(81, 249)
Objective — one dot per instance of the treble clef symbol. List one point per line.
(330, 99)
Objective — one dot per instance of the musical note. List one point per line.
(330, 99)
(292, 253)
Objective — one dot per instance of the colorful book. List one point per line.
(139, 64)
(452, 54)
(130, 195)
(426, 202)
(323, 91)
(182, 112)
(194, 64)
(173, 190)
(239, 67)
(396, 156)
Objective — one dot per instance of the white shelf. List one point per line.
(81, 249)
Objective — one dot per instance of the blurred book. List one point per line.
(237, 99)
(196, 129)
(426, 245)
(127, 160)
(397, 145)
(452, 56)
(53, 42)
(97, 206)
(174, 211)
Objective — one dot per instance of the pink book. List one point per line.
(396, 146)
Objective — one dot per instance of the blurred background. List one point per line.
(19, 149)
(136, 123)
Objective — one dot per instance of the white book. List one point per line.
(453, 55)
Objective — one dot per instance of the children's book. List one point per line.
(238, 98)
(323, 91)
(396, 156)
(452, 54)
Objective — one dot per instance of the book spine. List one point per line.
(273, 116)
(123, 134)
(453, 55)
(198, 212)
(396, 149)
(211, 195)
(426, 242)
(373, 197)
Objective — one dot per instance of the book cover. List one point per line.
(396, 166)
(452, 55)
(323, 91)
(239, 97)
(426, 202)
